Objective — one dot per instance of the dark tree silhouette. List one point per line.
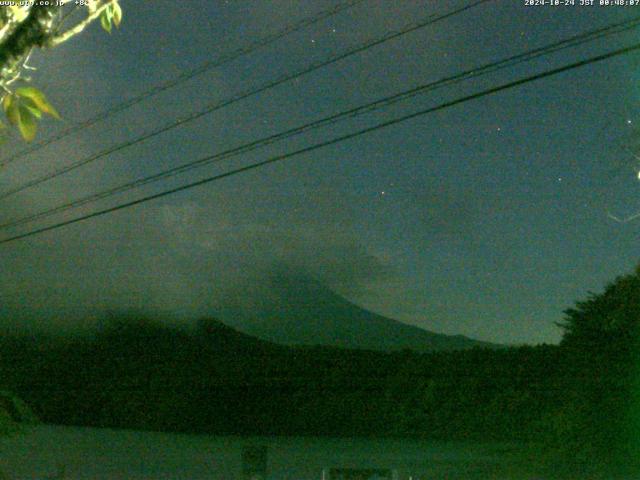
(602, 340)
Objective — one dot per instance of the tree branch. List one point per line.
(63, 37)
(34, 31)
(623, 220)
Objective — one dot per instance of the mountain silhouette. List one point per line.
(295, 309)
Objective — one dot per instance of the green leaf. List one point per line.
(27, 123)
(4, 135)
(34, 111)
(32, 107)
(117, 13)
(105, 19)
(11, 110)
(25, 108)
(6, 102)
(38, 101)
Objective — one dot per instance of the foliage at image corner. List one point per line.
(25, 26)
(22, 29)
(595, 430)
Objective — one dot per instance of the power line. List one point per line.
(333, 141)
(431, 19)
(222, 59)
(354, 112)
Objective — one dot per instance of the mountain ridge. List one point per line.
(295, 309)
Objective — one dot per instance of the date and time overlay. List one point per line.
(526, 3)
(581, 3)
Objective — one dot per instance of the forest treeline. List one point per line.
(144, 375)
(575, 402)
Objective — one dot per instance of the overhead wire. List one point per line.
(332, 119)
(333, 141)
(429, 20)
(216, 62)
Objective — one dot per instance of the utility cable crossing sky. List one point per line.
(429, 20)
(335, 140)
(218, 61)
(350, 113)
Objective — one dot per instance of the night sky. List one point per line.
(486, 219)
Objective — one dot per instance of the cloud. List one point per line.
(183, 257)
(175, 260)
